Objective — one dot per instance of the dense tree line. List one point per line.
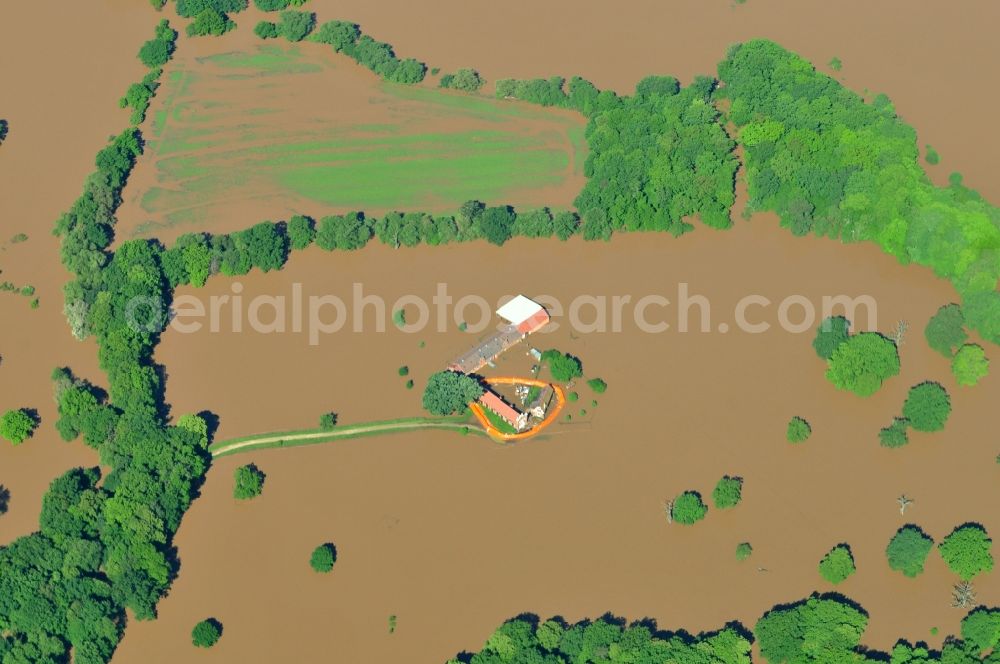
(377, 56)
(829, 163)
(276, 5)
(194, 257)
(154, 54)
(526, 639)
(822, 629)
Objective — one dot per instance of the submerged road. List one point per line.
(292, 439)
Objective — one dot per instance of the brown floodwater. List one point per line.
(454, 534)
(451, 534)
(61, 102)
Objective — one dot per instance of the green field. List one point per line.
(297, 126)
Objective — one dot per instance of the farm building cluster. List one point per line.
(522, 317)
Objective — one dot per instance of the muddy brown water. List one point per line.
(63, 74)
(454, 535)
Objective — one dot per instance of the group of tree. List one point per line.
(656, 159)
(293, 25)
(822, 629)
(927, 408)
(828, 162)
(154, 54)
(377, 56)
(194, 257)
(449, 392)
(466, 80)
(4, 128)
(966, 550)
(945, 333)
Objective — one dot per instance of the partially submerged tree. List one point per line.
(728, 492)
(908, 549)
(206, 633)
(862, 363)
(927, 406)
(945, 330)
(564, 367)
(688, 508)
(17, 426)
(323, 557)
(798, 430)
(837, 564)
(970, 364)
(248, 482)
(832, 332)
(966, 550)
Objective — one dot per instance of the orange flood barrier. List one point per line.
(550, 417)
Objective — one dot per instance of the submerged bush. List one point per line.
(467, 80)
(895, 434)
(798, 430)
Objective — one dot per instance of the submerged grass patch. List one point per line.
(260, 125)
